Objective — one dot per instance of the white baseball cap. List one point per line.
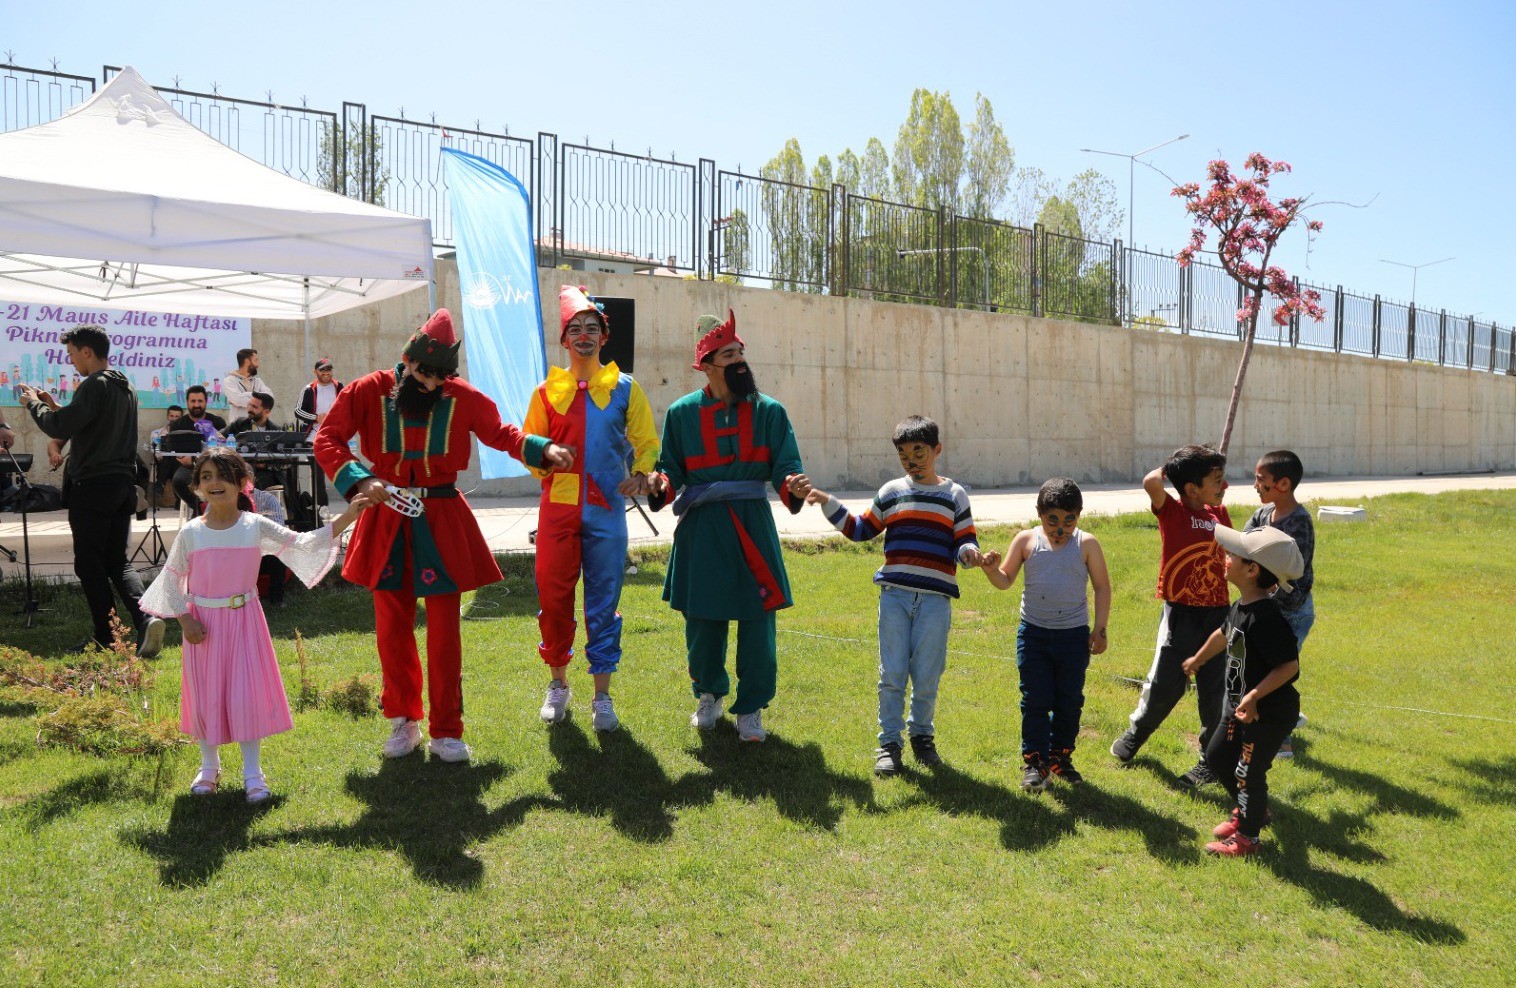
(1268, 547)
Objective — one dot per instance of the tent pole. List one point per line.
(307, 310)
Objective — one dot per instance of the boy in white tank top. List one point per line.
(1056, 639)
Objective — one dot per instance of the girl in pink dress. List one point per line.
(232, 690)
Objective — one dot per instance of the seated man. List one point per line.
(260, 406)
(163, 467)
(209, 426)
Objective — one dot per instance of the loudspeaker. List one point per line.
(621, 313)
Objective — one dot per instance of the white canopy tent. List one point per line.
(123, 203)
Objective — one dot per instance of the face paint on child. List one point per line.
(1058, 526)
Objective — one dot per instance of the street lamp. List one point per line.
(1131, 176)
(1415, 269)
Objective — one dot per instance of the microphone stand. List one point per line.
(157, 552)
(30, 608)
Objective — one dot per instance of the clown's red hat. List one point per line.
(436, 344)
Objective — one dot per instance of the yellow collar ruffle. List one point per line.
(561, 385)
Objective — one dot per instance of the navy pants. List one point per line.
(1052, 665)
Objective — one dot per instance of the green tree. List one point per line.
(736, 251)
(928, 161)
(988, 163)
(791, 214)
(358, 150)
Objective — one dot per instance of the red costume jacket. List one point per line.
(443, 551)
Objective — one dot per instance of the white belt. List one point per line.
(235, 601)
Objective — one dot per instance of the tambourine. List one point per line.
(404, 501)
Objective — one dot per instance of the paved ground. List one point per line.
(507, 521)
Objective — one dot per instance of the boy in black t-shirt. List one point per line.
(1263, 662)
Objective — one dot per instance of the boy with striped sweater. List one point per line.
(928, 533)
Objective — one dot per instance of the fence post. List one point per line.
(1410, 334)
(1240, 298)
(1339, 310)
(549, 236)
(1295, 318)
(1510, 367)
(1186, 299)
(706, 214)
(1039, 265)
(1469, 348)
(841, 239)
(946, 269)
(1493, 334)
(1115, 305)
(1442, 338)
(1374, 321)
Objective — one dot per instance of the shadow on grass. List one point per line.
(795, 777)
(1301, 833)
(202, 832)
(431, 812)
(1488, 780)
(108, 785)
(1167, 839)
(612, 775)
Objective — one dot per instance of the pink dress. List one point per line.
(232, 689)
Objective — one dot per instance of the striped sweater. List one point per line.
(925, 529)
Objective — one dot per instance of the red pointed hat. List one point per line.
(436, 344)
(714, 335)
(571, 302)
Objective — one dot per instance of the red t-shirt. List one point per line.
(1191, 566)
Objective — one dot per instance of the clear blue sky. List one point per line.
(1407, 105)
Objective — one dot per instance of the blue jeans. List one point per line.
(1052, 666)
(1301, 619)
(913, 631)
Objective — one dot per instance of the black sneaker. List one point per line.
(887, 758)
(1125, 747)
(1062, 765)
(924, 749)
(1035, 777)
(1198, 776)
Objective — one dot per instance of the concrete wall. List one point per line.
(1019, 399)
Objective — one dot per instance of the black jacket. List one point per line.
(100, 424)
(305, 412)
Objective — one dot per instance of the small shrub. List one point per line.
(354, 697)
(106, 725)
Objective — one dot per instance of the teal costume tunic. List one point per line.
(726, 564)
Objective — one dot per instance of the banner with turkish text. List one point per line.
(161, 353)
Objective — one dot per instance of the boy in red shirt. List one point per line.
(1192, 585)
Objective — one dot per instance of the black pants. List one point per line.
(1181, 632)
(1239, 755)
(100, 516)
(184, 482)
(273, 567)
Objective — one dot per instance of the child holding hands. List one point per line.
(232, 690)
(1056, 639)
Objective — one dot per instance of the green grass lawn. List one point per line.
(660, 856)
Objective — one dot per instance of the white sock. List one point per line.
(250, 767)
(210, 760)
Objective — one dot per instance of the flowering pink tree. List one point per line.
(1248, 225)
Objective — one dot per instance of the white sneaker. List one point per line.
(152, 638)
(449, 750)
(603, 714)
(708, 713)
(555, 707)
(750, 727)
(404, 737)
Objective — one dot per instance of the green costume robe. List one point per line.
(726, 564)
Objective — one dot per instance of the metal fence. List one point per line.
(607, 209)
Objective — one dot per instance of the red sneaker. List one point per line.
(1238, 845)
(1225, 830)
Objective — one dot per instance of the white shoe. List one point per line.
(603, 714)
(152, 638)
(708, 713)
(449, 750)
(750, 727)
(404, 737)
(555, 707)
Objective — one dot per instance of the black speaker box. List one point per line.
(621, 313)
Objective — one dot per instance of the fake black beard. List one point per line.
(739, 379)
(414, 401)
